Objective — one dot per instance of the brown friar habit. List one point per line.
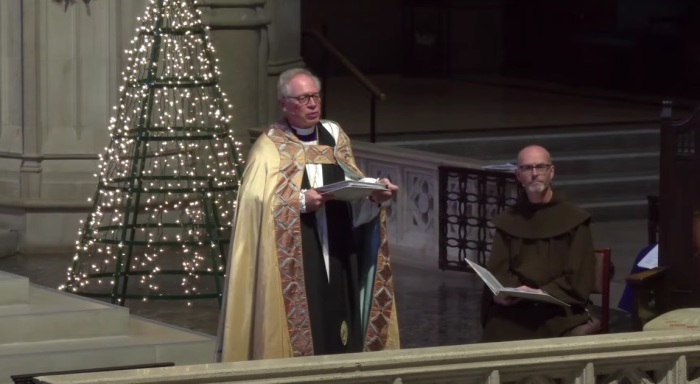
(546, 246)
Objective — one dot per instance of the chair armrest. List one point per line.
(644, 284)
(646, 277)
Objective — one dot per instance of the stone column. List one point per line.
(30, 170)
(239, 36)
(72, 63)
(10, 98)
(71, 60)
(284, 35)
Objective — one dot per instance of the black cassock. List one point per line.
(334, 304)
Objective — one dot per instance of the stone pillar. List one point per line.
(255, 40)
(72, 63)
(284, 35)
(59, 77)
(30, 170)
(10, 98)
(239, 36)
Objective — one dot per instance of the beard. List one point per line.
(536, 187)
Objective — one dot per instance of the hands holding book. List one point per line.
(383, 195)
(510, 300)
(315, 200)
(376, 191)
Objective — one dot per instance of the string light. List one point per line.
(168, 180)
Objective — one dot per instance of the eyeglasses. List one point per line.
(528, 168)
(304, 99)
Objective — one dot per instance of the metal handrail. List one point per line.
(374, 91)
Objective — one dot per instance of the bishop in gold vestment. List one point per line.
(307, 274)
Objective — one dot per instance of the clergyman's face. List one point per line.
(535, 171)
(302, 105)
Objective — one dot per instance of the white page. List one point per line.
(486, 276)
(516, 292)
(350, 190)
(651, 259)
(351, 184)
(497, 288)
(507, 167)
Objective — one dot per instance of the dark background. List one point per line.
(628, 45)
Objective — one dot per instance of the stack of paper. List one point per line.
(349, 190)
(507, 167)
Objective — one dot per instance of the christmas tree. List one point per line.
(162, 213)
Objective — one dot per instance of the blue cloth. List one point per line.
(627, 299)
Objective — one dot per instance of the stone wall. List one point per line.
(59, 82)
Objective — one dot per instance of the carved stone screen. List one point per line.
(469, 199)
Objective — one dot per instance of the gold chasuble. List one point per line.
(274, 259)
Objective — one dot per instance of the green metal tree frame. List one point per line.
(169, 178)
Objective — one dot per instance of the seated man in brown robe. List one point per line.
(542, 244)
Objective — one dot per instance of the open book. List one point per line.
(349, 190)
(499, 290)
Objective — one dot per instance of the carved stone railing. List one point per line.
(414, 214)
(443, 211)
(469, 199)
(641, 357)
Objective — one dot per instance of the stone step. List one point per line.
(603, 163)
(608, 169)
(608, 164)
(615, 188)
(633, 138)
(13, 289)
(46, 330)
(9, 242)
(54, 315)
(614, 210)
(145, 342)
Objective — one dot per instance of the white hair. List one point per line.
(288, 75)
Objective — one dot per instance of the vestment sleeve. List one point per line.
(237, 323)
(576, 282)
(499, 261)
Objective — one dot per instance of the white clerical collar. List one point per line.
(303, 131)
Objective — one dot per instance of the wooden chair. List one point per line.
(676, 214)
(603, 274)
(646, 286)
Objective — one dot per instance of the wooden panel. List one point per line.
(679, 208)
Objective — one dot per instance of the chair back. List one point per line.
(602, 285)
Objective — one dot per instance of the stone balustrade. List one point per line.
(413, 214)
(638, 357)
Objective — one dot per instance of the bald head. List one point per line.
(535, 172)
(533, 151)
